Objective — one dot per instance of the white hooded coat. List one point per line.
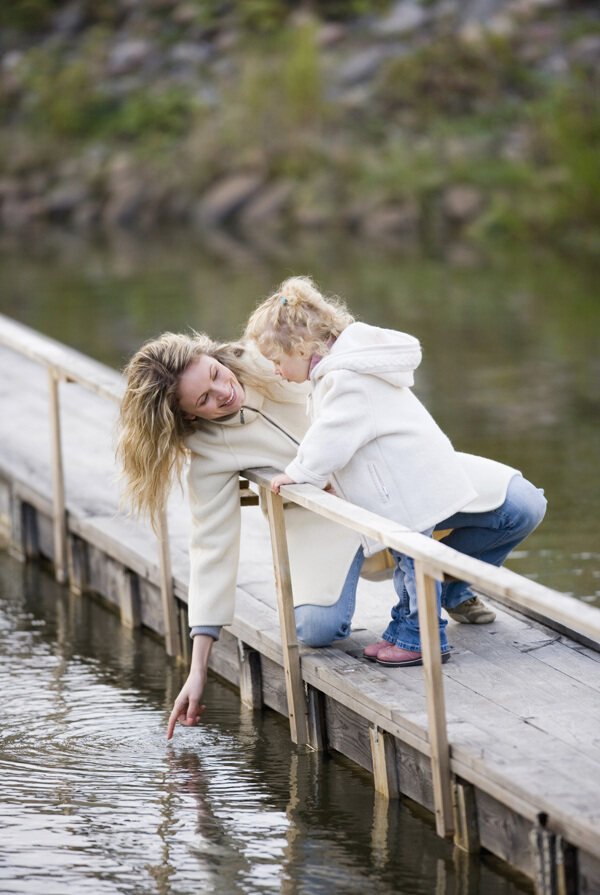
(377, 444)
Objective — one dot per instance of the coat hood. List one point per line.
(390, 355)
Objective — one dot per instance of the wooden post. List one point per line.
(78, 564)
(250, 676)
(171, 622)
(385, 774)
(58, 482)
(567, 881)
(317, 722)
(434, 691)
(289, 640)
(129, 599)
(543, 853)
(466, 830)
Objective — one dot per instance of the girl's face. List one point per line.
(292, 367)
(209, 390)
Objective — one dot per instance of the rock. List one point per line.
(585, 52)
(190, 54)
(268, 206)
(403, 18)
(128, 56)
(462, 203)
(71, 19)
(393, 218)
(363, 66)
(480, 11)
(330, 33)
(62, 201)
(502, 26)
(226, 198)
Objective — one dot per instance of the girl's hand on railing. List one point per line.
(278, 480)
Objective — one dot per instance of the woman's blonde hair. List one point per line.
(297, 316)
(152, 426)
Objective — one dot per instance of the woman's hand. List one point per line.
(278, 480)
(187, 709)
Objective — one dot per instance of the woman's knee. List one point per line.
(317, 627)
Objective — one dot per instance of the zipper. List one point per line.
(268, 420)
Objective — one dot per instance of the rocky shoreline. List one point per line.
(426, 121)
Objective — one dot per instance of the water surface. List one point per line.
(94, 800)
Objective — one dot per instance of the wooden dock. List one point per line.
(522, 695)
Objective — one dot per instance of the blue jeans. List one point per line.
(491, 536)
(487, 536)
(403, 629)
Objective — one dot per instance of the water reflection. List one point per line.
(511, 365)
(94, 798)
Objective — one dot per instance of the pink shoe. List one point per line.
(371, 651)
(396, 657)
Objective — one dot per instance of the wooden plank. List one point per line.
(58, 482)
(289, 640)
(434, 688)
(70, 365)
(348, 733)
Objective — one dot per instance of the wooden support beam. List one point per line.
(28, 538)
(184, 633)
(289, 639)
(129, 599)
(385, 775)
(542, 843)
(59, 521)
(170, 619)
(250, 676)
(248, 497)
(567, 877)
(78, 564)
(317, 721)
(434, 692)
(466, 829)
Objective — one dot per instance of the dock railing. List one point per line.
(434, 561)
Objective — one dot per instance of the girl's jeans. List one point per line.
(487, 536)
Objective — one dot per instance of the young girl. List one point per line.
(372, 439)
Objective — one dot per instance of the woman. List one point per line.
(222, 406)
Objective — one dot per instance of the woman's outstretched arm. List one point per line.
(187, 709)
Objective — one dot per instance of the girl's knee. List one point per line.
(531, 504)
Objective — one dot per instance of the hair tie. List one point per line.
(284, 300)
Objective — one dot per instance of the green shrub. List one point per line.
(450, 76)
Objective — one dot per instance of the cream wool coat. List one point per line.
(379, 446)
(266, 433)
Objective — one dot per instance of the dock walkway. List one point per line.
(522, 697)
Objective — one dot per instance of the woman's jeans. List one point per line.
(487, 536)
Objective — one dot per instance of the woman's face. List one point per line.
(209, 390)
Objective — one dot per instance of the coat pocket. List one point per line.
(378, 483)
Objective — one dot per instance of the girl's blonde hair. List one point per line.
(297, 316)
(152, 426)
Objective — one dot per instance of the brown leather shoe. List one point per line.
(396, 657)
(371, 651)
